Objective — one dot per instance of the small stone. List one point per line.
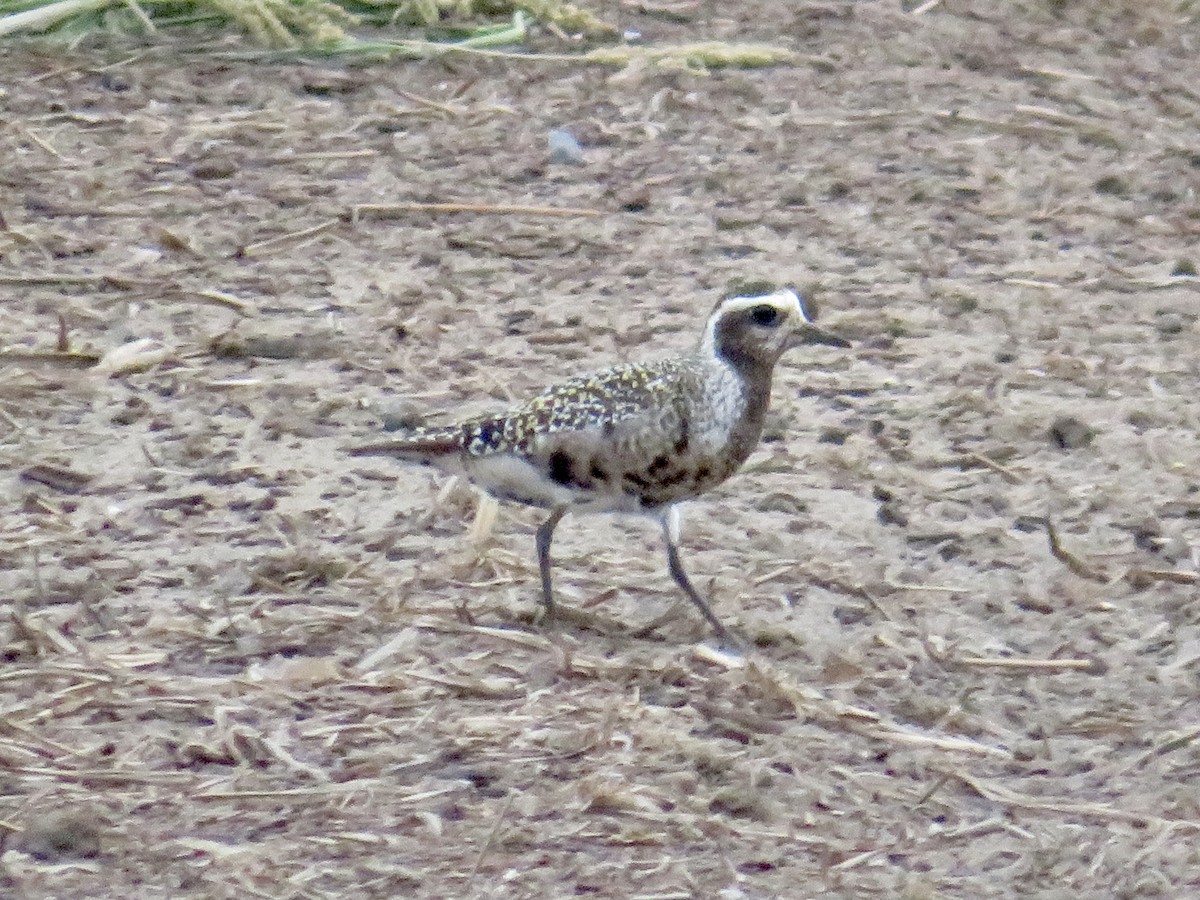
(60, 836)
(564, 149)
(1142, 419)
(1029, 524)
(734, 222)
(211, 169)
(741, 802)
(794, 196)
(960, 305)
(835, 436)
(850, 615)
(1071, 434)
(273, 344)
(403, 415)
(520, 321)
(890, 514)
(636, 201)
(1111, 184)
(1168, 323)
(782, 501)
(322, 82)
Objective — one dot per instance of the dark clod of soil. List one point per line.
(1068, 433)
(60, 837)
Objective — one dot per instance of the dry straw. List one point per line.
(355, 27)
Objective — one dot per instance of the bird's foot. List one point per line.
(726, 639)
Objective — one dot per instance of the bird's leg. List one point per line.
(670, 523)
(545, 534)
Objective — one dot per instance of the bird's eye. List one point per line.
(764, 315)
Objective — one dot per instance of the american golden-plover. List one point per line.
(637, 438)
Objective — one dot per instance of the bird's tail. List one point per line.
(422, 445)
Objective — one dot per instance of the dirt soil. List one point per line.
(239, 663)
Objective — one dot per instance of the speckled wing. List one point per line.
(587, 404)
(618, 433)
(617, 404)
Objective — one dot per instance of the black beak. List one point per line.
(809, 333)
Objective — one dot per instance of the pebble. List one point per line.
(1071, 434)
(564, 149)
(1169, 323)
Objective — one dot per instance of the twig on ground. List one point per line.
(1008, 474)
(491, 836)
(263, 247)
(1025, 666)
(1072, 562)
(395, 210)
(1104, 812)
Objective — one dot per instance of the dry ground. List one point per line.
(238, 663)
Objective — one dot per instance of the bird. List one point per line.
(635, 438)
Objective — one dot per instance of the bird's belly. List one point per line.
(598, 482)
(518, 480)
(515, 479)
(666, 481)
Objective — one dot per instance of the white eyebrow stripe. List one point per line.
(786, 297)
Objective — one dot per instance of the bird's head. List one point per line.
(753, 332)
